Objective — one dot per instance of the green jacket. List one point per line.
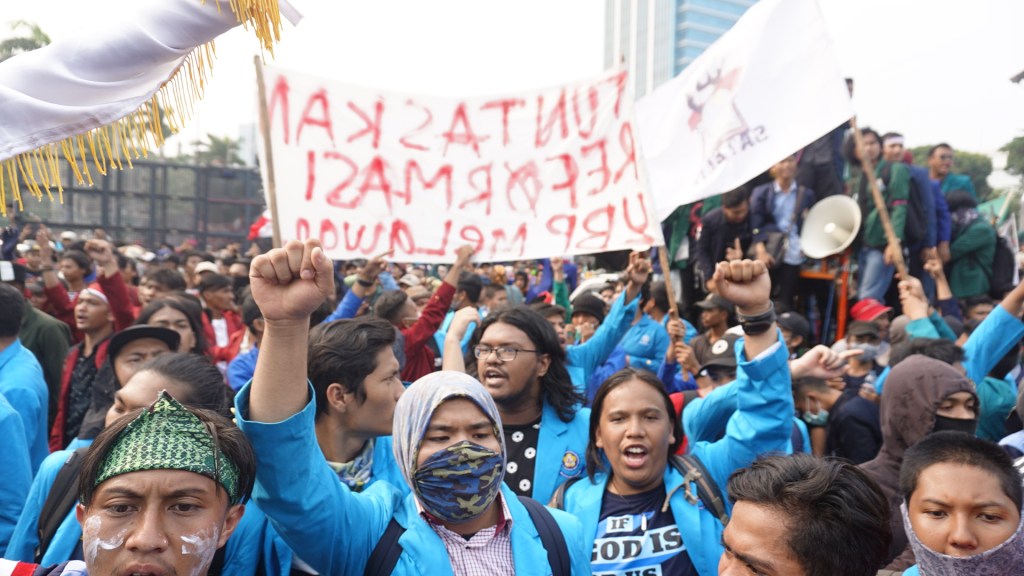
(896, 196)
(971, 255)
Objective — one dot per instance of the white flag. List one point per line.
(768, 87)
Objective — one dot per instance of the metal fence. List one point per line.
(158, 201)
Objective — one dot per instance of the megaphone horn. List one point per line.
(830, 227)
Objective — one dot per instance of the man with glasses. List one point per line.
(521, 363)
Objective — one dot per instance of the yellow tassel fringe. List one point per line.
(113, 146)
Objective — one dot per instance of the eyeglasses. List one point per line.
(504, 354)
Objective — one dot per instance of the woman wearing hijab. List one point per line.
(922, 395)
(637, 506)
(962, 507)
(460, 517)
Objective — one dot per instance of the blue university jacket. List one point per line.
(334, 530)
(17, 472)
(762, 423)
(583, 359)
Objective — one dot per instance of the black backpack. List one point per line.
(916, 227)
(387, 551)
(1003, 266)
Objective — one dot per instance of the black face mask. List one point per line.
(943, 424)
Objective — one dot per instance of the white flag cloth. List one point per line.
(767, 88)
(96, 78)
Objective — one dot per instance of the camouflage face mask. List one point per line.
(458, 483)
(166, 436)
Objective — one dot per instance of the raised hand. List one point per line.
(821, 362)
(102, 253)
(734, 252)
(637, 273)
(912, 298)
(460, 323)
(289, 283)
(746, 284)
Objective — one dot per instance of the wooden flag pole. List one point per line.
(883, 213)
(667, 273)
(268, 157)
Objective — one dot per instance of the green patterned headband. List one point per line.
(166, 436)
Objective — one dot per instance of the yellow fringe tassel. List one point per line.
(132, 136)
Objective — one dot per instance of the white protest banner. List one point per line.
(768, 87)
(518, 176)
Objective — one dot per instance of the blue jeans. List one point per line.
(875, 274)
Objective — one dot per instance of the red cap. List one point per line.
(868, 309)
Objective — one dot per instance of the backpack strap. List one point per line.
(558, 498)
(62, 497)
(550, 536)
(387, 551)
(694, 473)
(217, 565)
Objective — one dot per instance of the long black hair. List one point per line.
(190, 309)
(556, 385)
(595, 460)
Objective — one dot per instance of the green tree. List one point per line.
(217, 151)
(33, 38)
(977, 166)
(1014, 156)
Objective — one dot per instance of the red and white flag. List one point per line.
(764, 90)
(263, 227)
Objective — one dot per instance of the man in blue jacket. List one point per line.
(448, 444)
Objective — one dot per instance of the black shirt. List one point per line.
(635, 537)
(521, 446)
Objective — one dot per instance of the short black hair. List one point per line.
(595, 460)
(556, 385)
(229, 440)
(937, 147)
(187, 305)
(958, 199)
(491, 289)
(802, 385)
(472, 285)
(345, 351)
(973, 301)
(850, 145)
(964, 449)
(213, 281)
(736, 197)
(79, 258)
(837, 518)
(170, 279)
(12, 302)
(389, 305)
(660, 296)
(202, 381)
(937, 348)
(250, 312)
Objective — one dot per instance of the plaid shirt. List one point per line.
(486, 553)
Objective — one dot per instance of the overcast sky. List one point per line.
(932, 69)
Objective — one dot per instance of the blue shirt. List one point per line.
(23, 385)
(783, 203)
(241, 369)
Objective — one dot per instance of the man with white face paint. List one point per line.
(448, 442)
(160, 490)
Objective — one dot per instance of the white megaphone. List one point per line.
(830, 227)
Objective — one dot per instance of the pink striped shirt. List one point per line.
(486, 553)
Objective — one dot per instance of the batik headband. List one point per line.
(167, 436)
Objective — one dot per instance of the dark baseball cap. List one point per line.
(863, 328)
(713, 301)
(132, 333)
(589, 304)
(721, 353)
(795, 323)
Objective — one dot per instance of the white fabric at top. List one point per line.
(102, 74)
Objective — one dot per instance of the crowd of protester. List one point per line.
(390, 417)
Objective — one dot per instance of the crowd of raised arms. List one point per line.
(181, 411)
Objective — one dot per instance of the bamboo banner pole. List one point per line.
(275, 222)
(666, 272)
(883, 213)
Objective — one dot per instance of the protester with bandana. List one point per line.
(962, 507)
(972, 248)
(189, 378)
(446, 426)
(160, 491)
